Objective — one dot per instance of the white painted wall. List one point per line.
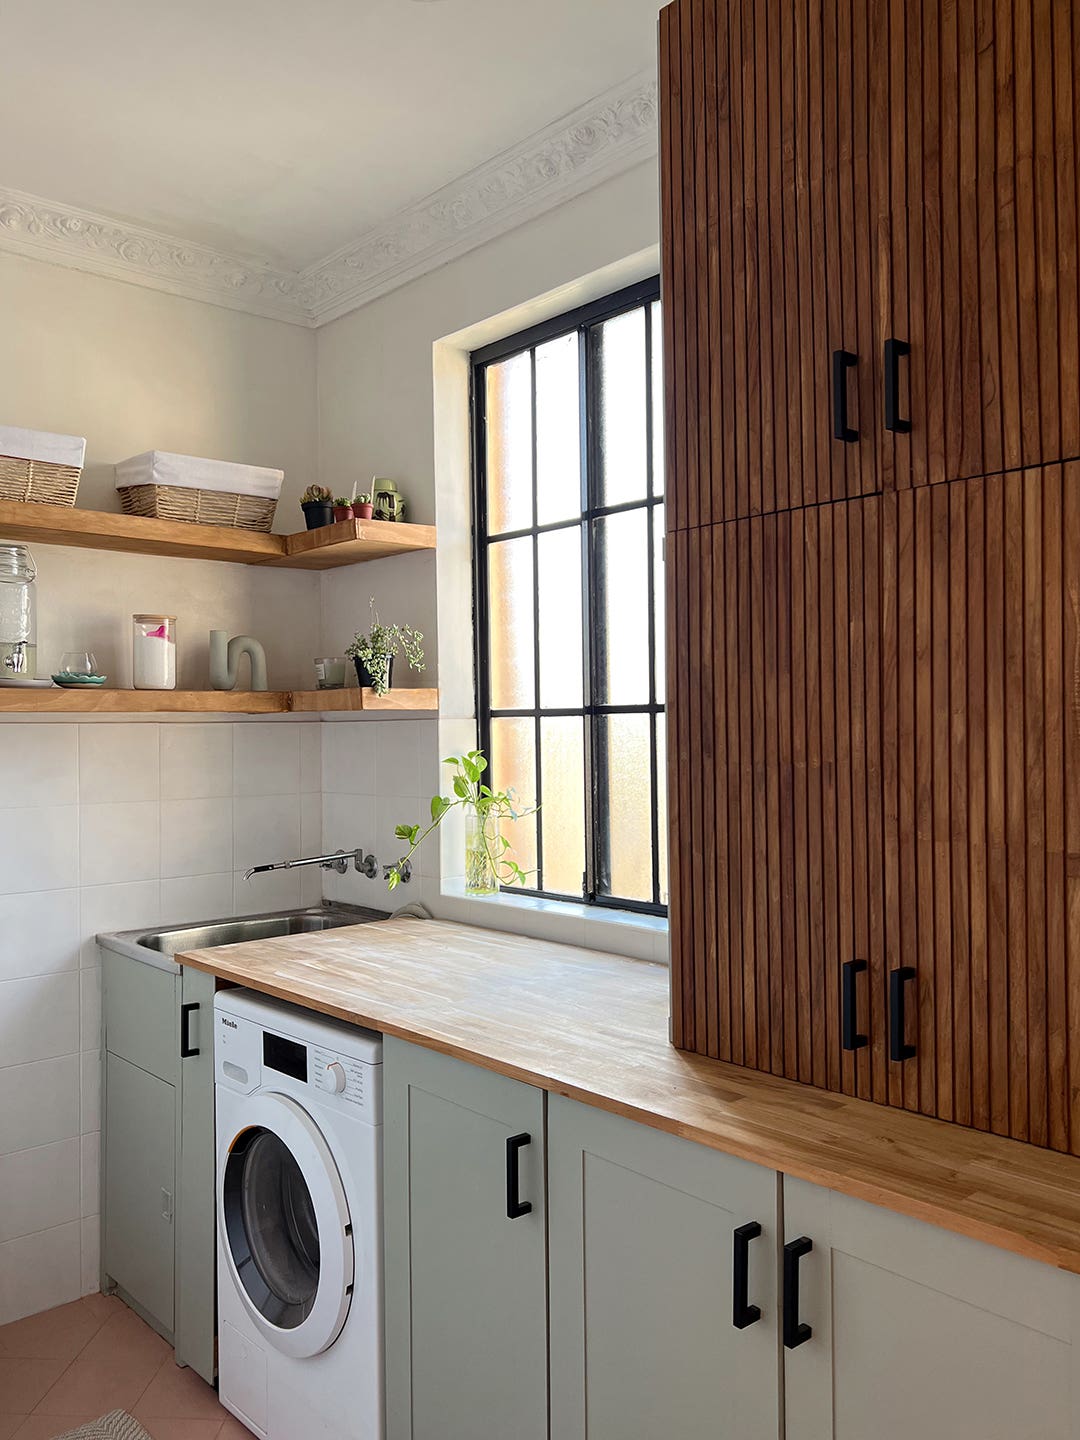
(108, 827)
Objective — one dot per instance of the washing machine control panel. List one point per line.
(338, 1075)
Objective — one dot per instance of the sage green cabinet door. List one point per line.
(642, 1242)
(466, 1292)
(195, 1252)
(918, 1333)
(140, 1186)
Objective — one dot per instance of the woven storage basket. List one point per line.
(198, 507)
(39, 481)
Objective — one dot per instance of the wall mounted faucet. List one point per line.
(339, 861)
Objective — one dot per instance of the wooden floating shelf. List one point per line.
(210, 702)
(347, 543)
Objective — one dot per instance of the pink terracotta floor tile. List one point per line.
(182, 1429)
(9, 1424)
(24, 1382)
(233, 1430)
(46, 1427)
(97, 1386)
(125, 1338)
(104, 1306)
(176, 1394)
(58, 1334)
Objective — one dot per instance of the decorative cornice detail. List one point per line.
(596, 142)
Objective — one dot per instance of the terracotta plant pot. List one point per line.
(343, 512)
(317, 513)
(361, 512)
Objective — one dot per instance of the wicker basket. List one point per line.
(198, 507)
(39, 481)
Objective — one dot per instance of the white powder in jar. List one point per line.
(154, 653)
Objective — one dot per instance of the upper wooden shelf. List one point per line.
(210, 702)
(346, 543)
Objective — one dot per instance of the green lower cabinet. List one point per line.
(466, 1285)
(644, 1299)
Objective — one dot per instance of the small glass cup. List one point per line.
(330, 673)
(78, 663)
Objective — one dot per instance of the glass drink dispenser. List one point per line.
(18, 612)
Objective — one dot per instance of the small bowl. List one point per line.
(73, 682)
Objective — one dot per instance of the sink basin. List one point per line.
(157, 947)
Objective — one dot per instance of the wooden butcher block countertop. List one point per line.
(594, 1027)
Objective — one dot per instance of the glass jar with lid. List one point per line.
(154, 652)
(18, 612)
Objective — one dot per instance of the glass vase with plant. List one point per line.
(487, 861)
(373, 652)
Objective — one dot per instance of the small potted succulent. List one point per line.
(316, 505)
(373, 652)
(342, 508)
(362, 507)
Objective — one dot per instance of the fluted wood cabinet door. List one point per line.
(767, 254)
(975, 199)
(776, 793)
(982, 777)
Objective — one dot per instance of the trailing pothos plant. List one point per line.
(475, 798)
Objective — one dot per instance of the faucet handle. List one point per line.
(366, 864)
(404, 869)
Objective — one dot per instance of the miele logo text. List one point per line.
(230, 1023)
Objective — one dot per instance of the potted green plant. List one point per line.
(362, 507)
(342, 508)
(487, 863)
(317, 507)
(373, 652)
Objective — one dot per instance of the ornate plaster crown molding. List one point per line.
(601, 139)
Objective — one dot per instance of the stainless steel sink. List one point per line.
(156, 947)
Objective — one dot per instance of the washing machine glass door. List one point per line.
(285, 1226)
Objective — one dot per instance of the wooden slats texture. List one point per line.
(875, 647)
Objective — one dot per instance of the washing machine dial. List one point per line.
(335, 1077)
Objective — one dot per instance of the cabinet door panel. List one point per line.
(977, 225)
(466, 1290)
(140, 1186)
(920, 1332)
(195, 1288)
(642, 1235)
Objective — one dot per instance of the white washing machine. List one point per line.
(299, 1220)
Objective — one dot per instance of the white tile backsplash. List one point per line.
(39, 765)
(397, 748)
(349, 759)
(40, 933)
(119, 842)
(118, 763)
(86, 846)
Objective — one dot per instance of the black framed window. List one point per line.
(569, 529)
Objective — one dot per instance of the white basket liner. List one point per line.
(40, 445)
(190, 472)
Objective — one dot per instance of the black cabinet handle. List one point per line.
(842, 362)
(515, 1207)
(742, 1312)
(796, 1332)
(187, 1050)
(898, 1048)
(895, 350)
(850, 1038)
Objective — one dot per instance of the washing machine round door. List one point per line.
(285, 1228)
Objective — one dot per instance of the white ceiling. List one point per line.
(285, 129)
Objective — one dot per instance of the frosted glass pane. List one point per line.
(510, 624)
(561, 684)
(562, 776)
(621, 554)
(513, 767)
(659, 581)
(658, 399)
(558, 431)
(661, 804)
(622, 399)
(509, 444)
(630, 799)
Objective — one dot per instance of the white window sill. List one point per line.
(622, 932)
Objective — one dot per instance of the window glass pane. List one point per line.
(509, 444)
(558, 431)
(513, 767)
(659, 580)
(661, 804)
(623, 580)
(510, 624)
(629, 787)
(562, 818)
(621, 408)
(561, 683)
(657, 399)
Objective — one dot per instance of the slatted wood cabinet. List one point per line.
(873, 445)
